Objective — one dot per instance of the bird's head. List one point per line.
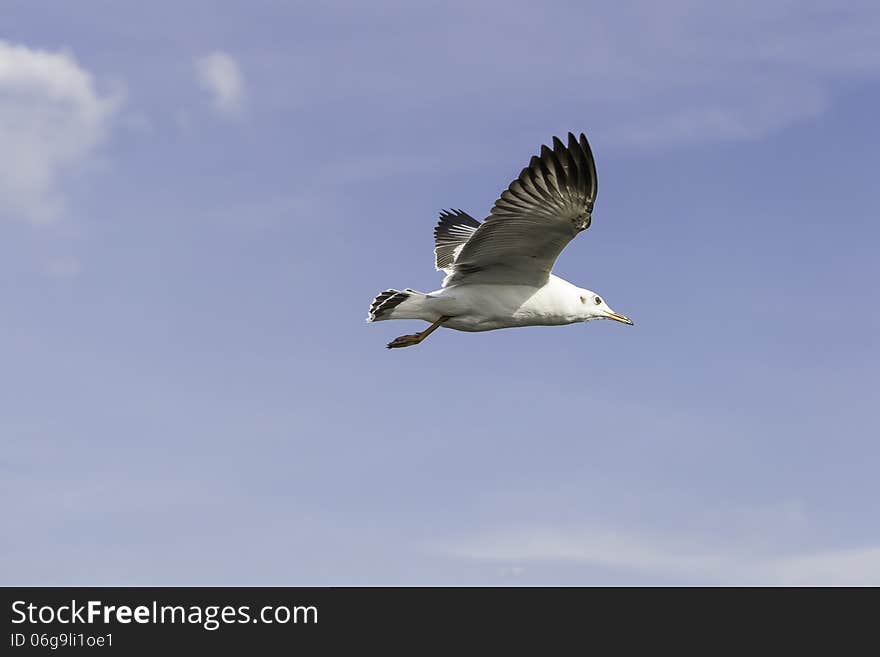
(593, 306)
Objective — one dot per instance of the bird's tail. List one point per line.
(393, 304)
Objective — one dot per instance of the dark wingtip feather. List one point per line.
(585, 145)
(454, 229)
(560, 179)
(588, 153)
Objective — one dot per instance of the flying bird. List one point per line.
(498, 272)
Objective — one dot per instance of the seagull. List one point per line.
(498, 272)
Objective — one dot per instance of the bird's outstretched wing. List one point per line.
(536, 217)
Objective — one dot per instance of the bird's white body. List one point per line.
(486, 307)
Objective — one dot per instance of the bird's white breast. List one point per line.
(484, 307)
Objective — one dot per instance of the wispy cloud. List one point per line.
(689, 559)
(641, 73)
(704, 74)
(65, 267)
(51, 119)
(220, 75)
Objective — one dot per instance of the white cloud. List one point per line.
(51, 119)
(220, 75)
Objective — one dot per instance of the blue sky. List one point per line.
(197, 205)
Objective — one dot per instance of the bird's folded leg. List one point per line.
(416, 338)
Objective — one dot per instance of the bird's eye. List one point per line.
(597, 301)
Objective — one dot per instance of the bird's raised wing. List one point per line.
(453, 230)
(536, 217)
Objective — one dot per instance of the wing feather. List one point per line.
(453, 230)
(533, 220)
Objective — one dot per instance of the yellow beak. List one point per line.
(619, 318)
